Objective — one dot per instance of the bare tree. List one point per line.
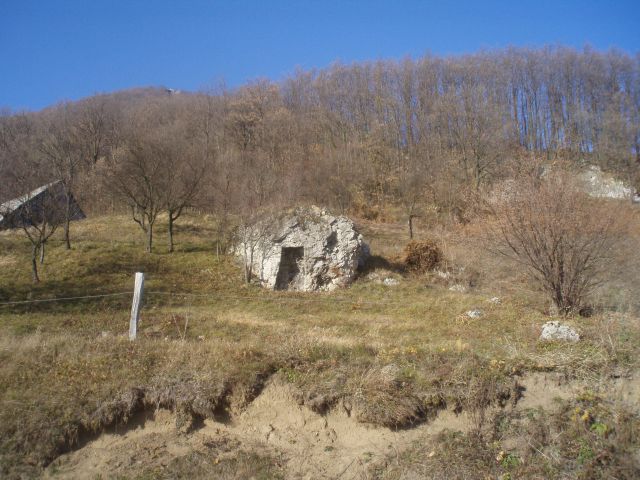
(40, 219)
(38, 213)
(413, 187)
(180, 194)
(96, 126)
(137, 177)
(62, 146)
(560, 235)
(184, 170)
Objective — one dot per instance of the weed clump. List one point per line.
(421, 256)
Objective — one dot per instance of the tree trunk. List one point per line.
(42, 253)
(411, 227)
(149, 237)
(170, 232)
(67, 241)
(34, 264)
(248, 265)
(67, 221)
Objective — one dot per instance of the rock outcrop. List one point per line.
(599, 184)
(306, 250)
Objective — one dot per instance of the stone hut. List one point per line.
(305, 250)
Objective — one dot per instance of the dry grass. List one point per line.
(584, 438)
(393, 356)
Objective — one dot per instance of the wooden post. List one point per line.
(135, 306)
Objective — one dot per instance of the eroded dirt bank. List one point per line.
(277, 437)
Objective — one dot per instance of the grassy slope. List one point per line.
(67, 369)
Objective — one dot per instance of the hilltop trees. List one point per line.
(427, 134)
(159, 167)
(61, 144)
(185, 155)
(73, 138)
(137, 178)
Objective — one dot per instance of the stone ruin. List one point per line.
(307, 250)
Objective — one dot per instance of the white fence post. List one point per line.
(135, 306)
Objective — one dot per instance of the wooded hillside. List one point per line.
(411, 133)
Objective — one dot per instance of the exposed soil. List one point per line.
(311, 446)
(275, 426)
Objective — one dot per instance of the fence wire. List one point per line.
(62, 299)
(213, 296)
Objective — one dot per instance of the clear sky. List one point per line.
(53, 50)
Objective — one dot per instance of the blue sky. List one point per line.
(53, 50)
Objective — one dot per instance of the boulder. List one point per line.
(555, 331)
(307, 249)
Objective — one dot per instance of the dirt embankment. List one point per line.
(277, 436)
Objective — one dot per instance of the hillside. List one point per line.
(374, 381)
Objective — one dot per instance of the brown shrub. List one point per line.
(421, 256)
(563, 238)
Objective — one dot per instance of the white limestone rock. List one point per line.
(474, 313)
(305, 250)
(442, 274)
(555, 331)
(602, 185)
(458, 288)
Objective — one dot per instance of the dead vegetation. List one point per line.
(421, 256)
(388, 359)
(583, 438)
(564, 239)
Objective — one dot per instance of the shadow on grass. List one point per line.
(377, 262)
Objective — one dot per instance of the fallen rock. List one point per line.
(373, 277)
(474, 313)
(458, 288)
(495, 300)
(307, 249)
(555, 331)
(442, 274)
(390, 282)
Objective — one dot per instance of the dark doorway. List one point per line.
(290, 260)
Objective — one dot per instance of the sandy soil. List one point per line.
(310, 446)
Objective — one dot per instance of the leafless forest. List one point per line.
(415, 134)
(491, 330)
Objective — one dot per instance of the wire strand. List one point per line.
(209, 295)
(60, 299)
(275, 299)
